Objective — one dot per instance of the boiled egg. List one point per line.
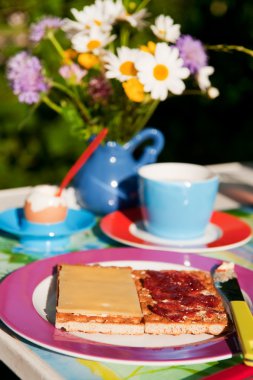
(44, 206)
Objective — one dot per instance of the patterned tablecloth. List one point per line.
(13, 257)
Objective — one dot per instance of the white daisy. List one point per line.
(202, 77)
(162, 72)
(122, 65)
(165, 29)
(136, 20)
(87, 18)
(92, 42)
(112, 9)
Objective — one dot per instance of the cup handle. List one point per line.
(150, 152)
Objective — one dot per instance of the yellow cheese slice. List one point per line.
(97, 290)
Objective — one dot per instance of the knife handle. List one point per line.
(243, 320)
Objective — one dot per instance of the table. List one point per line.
(30, 361)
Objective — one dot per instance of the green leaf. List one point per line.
(72, 118)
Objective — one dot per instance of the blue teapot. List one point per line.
(108, 180)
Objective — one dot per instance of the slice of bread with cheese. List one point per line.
(98, 299)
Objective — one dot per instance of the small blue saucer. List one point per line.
(41, 236)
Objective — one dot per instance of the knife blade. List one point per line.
(226, 283)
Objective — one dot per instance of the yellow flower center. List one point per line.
(134, 90)
(128, 68)
(87, 60)
(93, 44)
(161, 72)
(98, 22)
(161, 32)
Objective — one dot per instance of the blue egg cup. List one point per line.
(45, 237)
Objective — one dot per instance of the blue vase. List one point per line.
(108, 180)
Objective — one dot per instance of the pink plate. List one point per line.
(224, 232)
(22, 291)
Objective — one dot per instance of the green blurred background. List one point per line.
(197, 130)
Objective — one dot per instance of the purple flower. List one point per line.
(192, 52)
(39, 30)
(99, 89)
(72, 72)
(24, 72)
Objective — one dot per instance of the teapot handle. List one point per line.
(150, 152)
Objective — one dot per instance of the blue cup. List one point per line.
(177, 199)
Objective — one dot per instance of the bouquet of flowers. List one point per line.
(111, 66)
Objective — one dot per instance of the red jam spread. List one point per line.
(178, 295)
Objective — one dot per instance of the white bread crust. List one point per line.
(179, 328)
(103, 328)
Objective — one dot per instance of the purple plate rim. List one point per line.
(16, 292)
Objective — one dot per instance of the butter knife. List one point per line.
(226, 283)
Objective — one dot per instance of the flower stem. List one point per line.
(83, 110)
(28, 115)
(56, 44)
(229, 48)
(142, 4)
(51, 104)
(124, 36)
(143, 119)
(63, 88)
